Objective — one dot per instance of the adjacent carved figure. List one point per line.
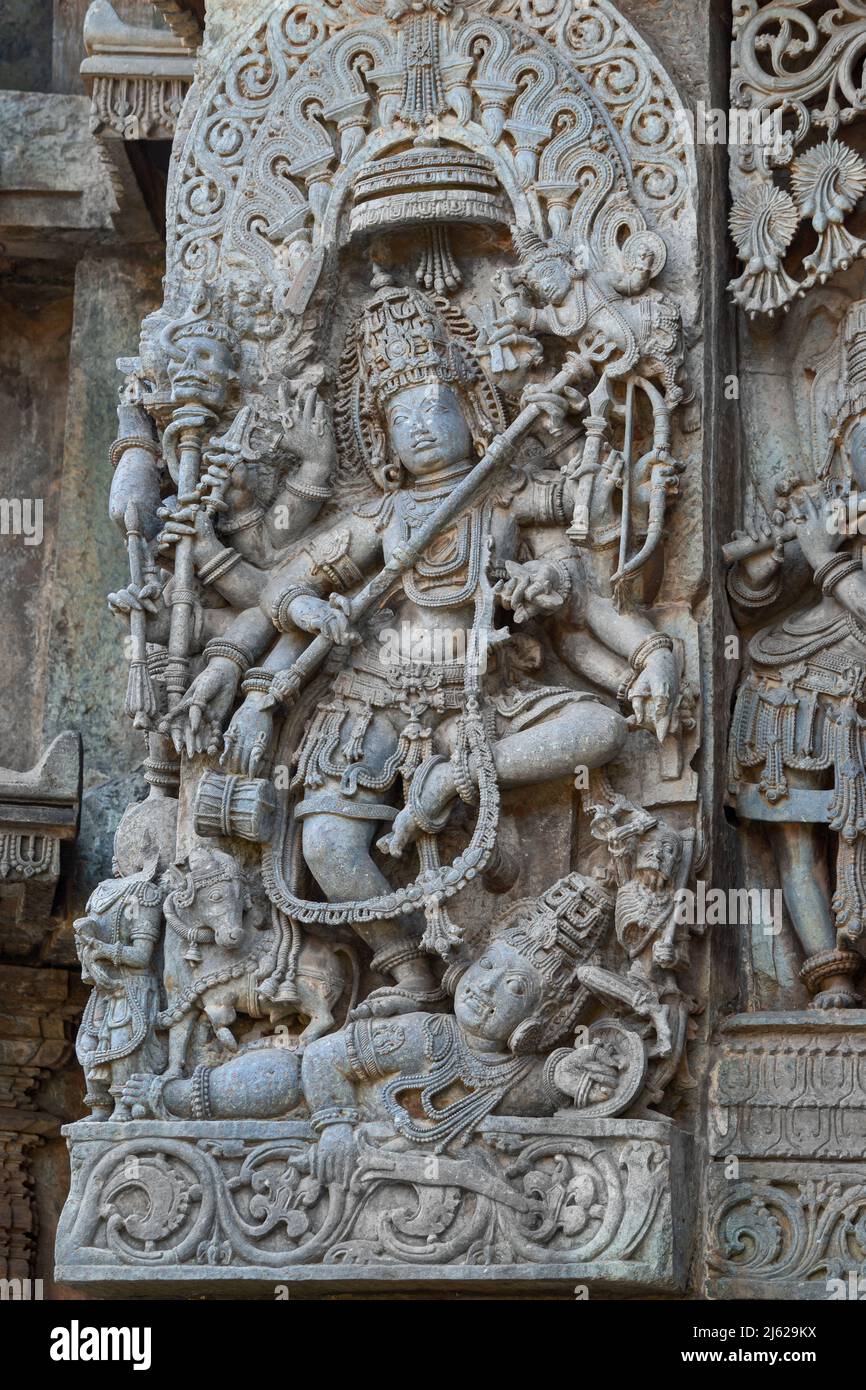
(417, 397)
(435, 1077)
(223, 954)
(796, 751)
(119, 945)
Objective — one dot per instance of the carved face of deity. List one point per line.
(202, 375)
(498, 992)
(427, 429)
(550, 279)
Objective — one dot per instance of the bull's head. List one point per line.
(209, 899)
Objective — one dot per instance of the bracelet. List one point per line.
(463, 780)
(243, 522)
(201, 1093)
(259, 680)
(156, 1103)
(657, 643)
(554, 1094)
(283, 602)
(754, 598)
(162, 773)
(557, 504)
(219, 565)
(178, 595)
(842, 572)
(623, 692)
(820, 574)
(307, 489)
(565, 575)
(385, 962)
(334, 1115)
(231, 651)
(584, 1085)
(131, 441)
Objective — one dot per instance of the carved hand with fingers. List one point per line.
(195, 723)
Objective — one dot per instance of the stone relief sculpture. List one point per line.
(796, 761)
(786, 1092)
(116, 944)
(397, 472)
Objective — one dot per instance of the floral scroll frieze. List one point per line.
(787, 1227)
(551, 1195)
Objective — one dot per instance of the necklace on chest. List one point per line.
(447, 573)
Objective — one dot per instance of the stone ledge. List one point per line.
(38, 809)
(810, 1021)
(61, 193)
(618, 1279)
(137, 76)
(790, 1085)
(234, 1207)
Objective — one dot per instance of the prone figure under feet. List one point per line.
(433, 1077)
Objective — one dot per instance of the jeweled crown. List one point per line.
(403, 342)
(532, 249)
(560, 930)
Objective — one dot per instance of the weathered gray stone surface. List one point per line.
(505, 415)
(597, 1209)
(299, 1081)
(788, 1143)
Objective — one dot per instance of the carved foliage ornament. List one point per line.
(798, 67)
(281, 124)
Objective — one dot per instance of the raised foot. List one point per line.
(428, 808)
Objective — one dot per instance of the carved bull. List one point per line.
(225, 955)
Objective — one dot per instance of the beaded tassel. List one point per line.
(849, 900)
(353, 748)
(322, 738)
(848, 804)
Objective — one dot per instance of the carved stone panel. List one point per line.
(137, 77)
(788, 1141)
(555, 1202)
(407, 472)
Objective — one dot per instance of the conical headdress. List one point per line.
(532, 249)
(403, 342)
(198, 321)
(560, 930)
